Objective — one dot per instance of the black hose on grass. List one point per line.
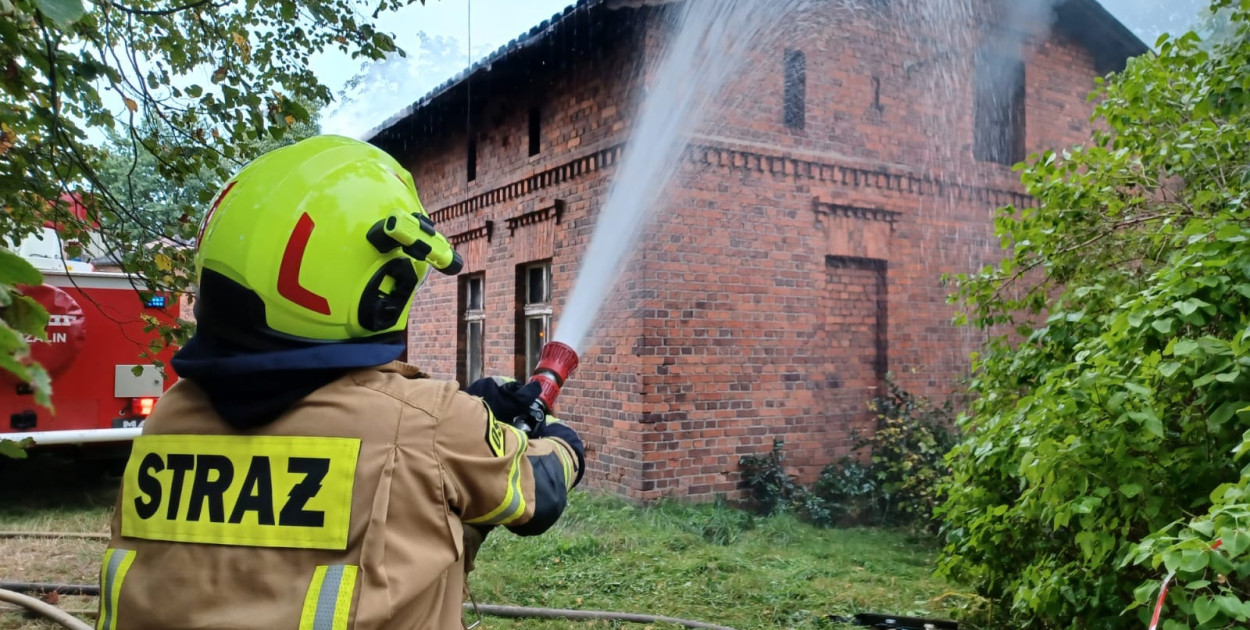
(514, 612)
(47, 587)
(84, 535)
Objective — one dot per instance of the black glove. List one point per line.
(506, 399)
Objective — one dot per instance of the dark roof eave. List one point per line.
(1086, 21)
(1107, 38)
(531, 37)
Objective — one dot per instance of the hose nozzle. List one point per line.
(555, 362)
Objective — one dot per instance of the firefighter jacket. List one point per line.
(346, 512)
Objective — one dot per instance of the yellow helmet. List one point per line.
(324, 240)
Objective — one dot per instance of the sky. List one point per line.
(436, 37)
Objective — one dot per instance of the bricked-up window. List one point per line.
(796, 89)
(534, 313)
(536, 138)
(472, 328)
(1000, 101)
(472, 159)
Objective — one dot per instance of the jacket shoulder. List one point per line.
(410, 387)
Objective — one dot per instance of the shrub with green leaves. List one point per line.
(1112, 405)
(899, 485)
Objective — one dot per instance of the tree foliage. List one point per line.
(194, 88)
(1112, 405)
(186, 90)
(132, 168)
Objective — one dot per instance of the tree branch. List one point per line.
(1071, 248)
(162, 12)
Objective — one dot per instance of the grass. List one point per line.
(703, 562)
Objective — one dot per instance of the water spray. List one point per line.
(555, 362)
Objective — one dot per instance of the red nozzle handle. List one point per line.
(555, 362)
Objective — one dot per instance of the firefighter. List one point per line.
(298, 475)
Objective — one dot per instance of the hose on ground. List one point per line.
(46, 587)
(85, 535)
(494, 610)
(44, 609)
(526, 612)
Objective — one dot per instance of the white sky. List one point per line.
(397, 83)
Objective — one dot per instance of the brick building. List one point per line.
(798, 255)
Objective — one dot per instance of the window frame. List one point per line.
(472, 318)
(540, 310)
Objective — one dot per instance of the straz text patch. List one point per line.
(261, 491)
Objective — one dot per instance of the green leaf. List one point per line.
(1184, 347)
(1190, 306)
(17, 270)
(1224, 413)
(42, 384)
(27, 316)
(1237, 543)
(1130, 490)
(1193, 560)
(1169, 369)
(1165, 326)
(1145, 592)
(63, 12)
(1172, 560)
(13, 366)
(1231, 605)
(14, 450)
(1205, 608)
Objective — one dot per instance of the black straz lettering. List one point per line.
(293, 513)
(149, 485)
(210, 490)
(256, 494)
(179, 463)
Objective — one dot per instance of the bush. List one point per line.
(898, 487)
(1104, 437)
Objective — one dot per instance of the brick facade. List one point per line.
(786, 270)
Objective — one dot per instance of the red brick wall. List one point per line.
(786, 270)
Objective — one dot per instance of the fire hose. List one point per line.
(43, 609)
(14, 592)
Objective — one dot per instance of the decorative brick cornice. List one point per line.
(483, 231)
(853, 212)
(538, 181)
(742, 160)
(554, 211)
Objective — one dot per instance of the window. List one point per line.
(472, 159)
(535, 313)
(999, 102)
(796, 89)
(535, 131)
(472, 328)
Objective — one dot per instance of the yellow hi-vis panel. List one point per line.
(259, 491)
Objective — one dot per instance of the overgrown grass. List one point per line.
(706, 562)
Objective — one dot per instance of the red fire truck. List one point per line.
(94, 347)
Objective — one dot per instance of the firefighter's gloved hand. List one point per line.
(506, 398)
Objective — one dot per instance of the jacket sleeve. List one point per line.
(497, 476)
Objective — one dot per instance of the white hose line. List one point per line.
(46, 610)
